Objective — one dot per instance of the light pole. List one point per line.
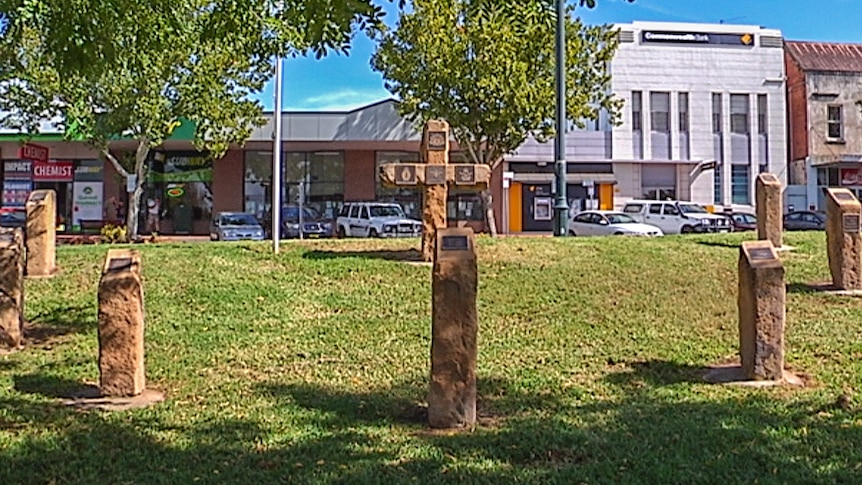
(561, 205)
(276, 161)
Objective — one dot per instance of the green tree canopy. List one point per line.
(110, 68)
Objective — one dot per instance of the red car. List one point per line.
(742, 221)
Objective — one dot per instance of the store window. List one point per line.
(658, 181)
(464, 207)
(409, 199)
(178, 195)
(257, 187)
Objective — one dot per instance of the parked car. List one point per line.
(235, 226)
(608, 223)
(13, 217)
(742, 221)
(313, 224)
(375, 219)
(805, 221)
(675, 217)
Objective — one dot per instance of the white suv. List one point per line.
(675, 217)
(375, 219)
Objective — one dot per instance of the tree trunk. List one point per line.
(490, 219)
(132, 216)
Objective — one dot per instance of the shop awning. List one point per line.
(571, 178)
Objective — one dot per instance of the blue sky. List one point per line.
(340, 82)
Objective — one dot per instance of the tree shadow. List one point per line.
(720, 244)
(654, 373)
(317, 435)
(50, 326)
(52, 386)
(403, 255)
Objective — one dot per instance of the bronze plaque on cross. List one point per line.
(435, 175)
(465, 175)
(437, 140)
(405, 175)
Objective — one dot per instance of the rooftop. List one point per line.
(826, 56)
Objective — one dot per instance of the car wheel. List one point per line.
(686, 230)
(373, 233)
(341, 232)
(572, 233)
(618, 233)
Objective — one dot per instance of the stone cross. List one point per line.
(770, 224)
(761, 304)
(121, 325)
(454, 330)
(434, 177)
(41, 233)
(844, 246)
(12, 287)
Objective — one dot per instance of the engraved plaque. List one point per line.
(768, 177)
(455, 243)
(436, 140)
(465, 175)
(119, 264)
(843, 196)
(761, 254)
(850, 222)
(405, 175)
(435, 175)
(37, 196)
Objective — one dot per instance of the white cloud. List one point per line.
(340, 100)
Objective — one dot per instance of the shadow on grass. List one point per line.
(720, 244)
(408, 255)
(655, 373)
(50, 386)
(49, 326)
(312, 434)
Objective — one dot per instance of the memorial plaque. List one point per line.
(435, 175)
(455, 243)
(406, 175)
(850, 222)
(465, 175)
(119, 264)
(842, 196)
(761, 254)
(768, 177)
(437, 140)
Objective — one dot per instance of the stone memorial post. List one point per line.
(454, 329)
(770, 224)
(434, 177)
(761, 304)
(41, 233)
(121, 325)
(843, 214)
(12, 262)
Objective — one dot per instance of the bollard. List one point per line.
(454, 329)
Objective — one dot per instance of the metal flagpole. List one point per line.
(561, 204)
(276, 161)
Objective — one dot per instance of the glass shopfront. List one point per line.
(178, 197)
(319, 176)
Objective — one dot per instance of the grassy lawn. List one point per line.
(311, 367)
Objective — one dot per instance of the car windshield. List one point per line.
(238, 220)
(386, 211)
(617, 218)
(692, 209)
(292, 214)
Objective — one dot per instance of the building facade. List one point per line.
(824, 85)
(704, 113)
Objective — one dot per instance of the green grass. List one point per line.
(311, 367)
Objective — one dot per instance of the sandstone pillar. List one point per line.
(843, 214)
(770, 212)
(41, 233)
(761, 304)
(121, 325)
(435, 151)
(454, 329)
(12, 262)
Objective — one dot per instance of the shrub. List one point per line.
(113, 234)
